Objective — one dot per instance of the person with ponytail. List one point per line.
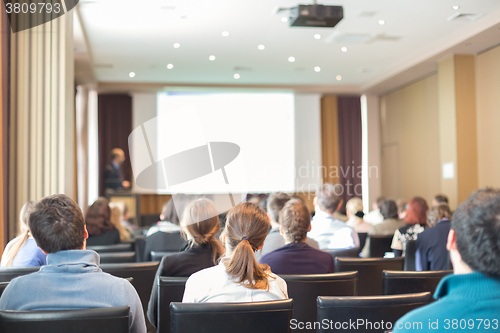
(238, 277)
(23, 251)
(200, 225)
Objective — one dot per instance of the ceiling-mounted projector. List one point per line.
(318, 16)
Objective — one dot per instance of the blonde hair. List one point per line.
(354, 205)
(116, 219)
(23, 235)
(201, 221)
(246, 229)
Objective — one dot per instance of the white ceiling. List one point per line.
(138, 36)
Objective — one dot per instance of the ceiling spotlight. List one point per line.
(261, 47)
(339, 77)
(291, 59)
(317, 69)
(211, 58)
(177, 45)
(317, 36)
(170, 66)
(236, 76)
(381, 22)
(284, 19)
(455, 7)
(131, 74)
(343, 49)
(225, 33)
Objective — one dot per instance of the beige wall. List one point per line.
(410, 141)
(488, 117)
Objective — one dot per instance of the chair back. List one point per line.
(249, 317)
(362, 239)
(348, 253)
(369, 272)
(117, 257)
(163, 241)
(9, 273)
(3, 285)
(170, 289)
(379, 245)
(410, 253)
(158, 255)
(368, 313)
(96, 320)
(403, 282)
(305, 289)
(123, 247)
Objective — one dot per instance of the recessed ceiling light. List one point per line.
(131, 74)
(225, 33)
(211, 58)
(177, 45)
(455, 7)
(381, 22)
(291, 59)
(261, 47)
(236, 76)
(343, 49)
(284, 19)
(317, 36)
(170, 66)
(317, 69)
(339, 77)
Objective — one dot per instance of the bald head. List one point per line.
(117, 155)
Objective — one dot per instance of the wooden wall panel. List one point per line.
(329, 138)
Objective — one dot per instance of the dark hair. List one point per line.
(275, 203)
(389, 209)
(329, 197)
(56, 222)
(246, 229)
(416, 213)
(98, 218)
(380, 201)
(441, 199)
(295, 220)
(437, 213)
(477, 227)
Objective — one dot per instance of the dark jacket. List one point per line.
(113, 177)
(108, 238)
(432, 254)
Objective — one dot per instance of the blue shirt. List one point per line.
(28, 255)
(73, 280)
(298, 258)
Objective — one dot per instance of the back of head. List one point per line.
(441, 199)
(57, 224)
(401, 205)
(416, 213)
(275, 203)
(22, 234)
(329, 197)
(116, 218)
(354, 205)
(246, 229)
(438, 213)
(98, 218)
(295, 220)
(201, 221)
(380, 201)
(476, 223)
(389, 209)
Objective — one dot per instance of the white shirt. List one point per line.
(331, 233)
(215, 285)
(374, 217)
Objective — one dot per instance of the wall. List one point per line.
(410, 141)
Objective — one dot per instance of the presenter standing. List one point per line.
(114, 178)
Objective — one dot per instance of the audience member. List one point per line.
(402, 205)
(114, 179)
(274, 239)
(432, 254)
(116, 220)
(125, 216)
(416, 221)
(72, 279)
(171, 214)
(297, 257)
(354, 210)
(440, 199)
(23, 251)
(329, 232)
(238, 277)
(391, 223)
(374, 217)
(200, 223)
(98, 221)
(472, 294)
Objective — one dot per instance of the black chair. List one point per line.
(9, 273)
(3, 285)
(158, 255)
(362, 239)
(410, 253)
(123, 247)
(348, 253)
(379, 245)
(163, 241)
(97, 320)
(170, 289)
(249, 317)
(304, 289)
(367, 312)
(117, 257)
(369, 272)
(402, 282)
